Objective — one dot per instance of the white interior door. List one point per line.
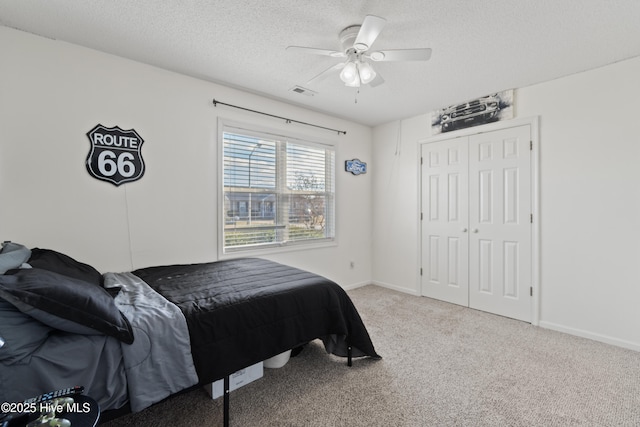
(476, 221)
(500, 222)
(445, 216)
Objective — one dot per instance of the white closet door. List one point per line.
(476, 221)
(500, 222)
(445, 221)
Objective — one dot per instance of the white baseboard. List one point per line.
(396, 288)
(355, 286)
(590, 335)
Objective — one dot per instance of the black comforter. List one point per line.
(242, 311)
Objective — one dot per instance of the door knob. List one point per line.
(464, 230)
(475, 230)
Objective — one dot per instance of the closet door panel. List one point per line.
(445, 221)
(499, 220)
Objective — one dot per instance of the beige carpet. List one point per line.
(443, 365)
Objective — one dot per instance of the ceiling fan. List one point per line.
(356, 41)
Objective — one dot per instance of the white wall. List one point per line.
(590, 202)
(395, 203)
(52, 93)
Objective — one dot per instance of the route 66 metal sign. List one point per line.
(355, 166)
(115, 155)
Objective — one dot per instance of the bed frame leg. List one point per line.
(349, 355)
(225, 403)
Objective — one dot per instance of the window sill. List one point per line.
(246, 252)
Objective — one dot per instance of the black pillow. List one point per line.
(48, 259)
(65, 303)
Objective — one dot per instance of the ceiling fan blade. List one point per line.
(369, 31)
(400, 55)
(313, 50)
(323, 75)
(377, 81)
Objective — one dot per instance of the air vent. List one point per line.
(303, 91)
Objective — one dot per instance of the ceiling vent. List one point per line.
(303, 91)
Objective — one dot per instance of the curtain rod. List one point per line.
(215, 104)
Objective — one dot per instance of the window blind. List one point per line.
(277, 191)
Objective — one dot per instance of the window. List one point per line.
(277, 191)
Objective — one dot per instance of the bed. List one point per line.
(132, 339)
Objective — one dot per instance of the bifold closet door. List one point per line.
(476, 221)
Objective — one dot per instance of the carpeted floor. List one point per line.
(443, 365)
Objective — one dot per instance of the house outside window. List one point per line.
(277, 191)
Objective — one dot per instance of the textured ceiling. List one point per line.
(479, 46)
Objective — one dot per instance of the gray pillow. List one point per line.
(22, 334)
(13, 255)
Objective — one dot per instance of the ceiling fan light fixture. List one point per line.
(366, 72)
(349, 75)
(357, 73)
(355, 83)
